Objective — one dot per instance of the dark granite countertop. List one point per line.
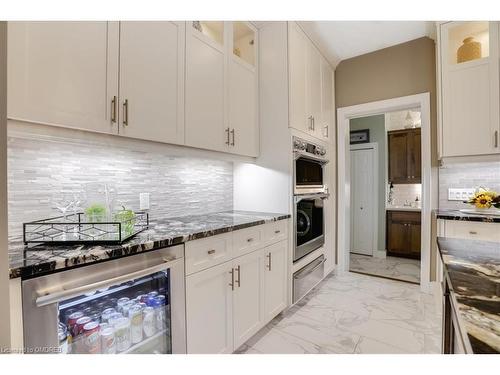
(42, 259)
(466, 216)
(473, 269)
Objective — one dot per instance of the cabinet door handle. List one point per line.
(125, 112)
(113, 109)
(313, 124)
(310, 118)
(211, 251)
(327, 129)
(472, 232)
(496, 138)
(227, 136)
(239, 276)
(232, 133)
(277, 231)
(231, 284)
(250, 239)
(269, 264)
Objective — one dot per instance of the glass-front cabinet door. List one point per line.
(244, 43)
(129, 317)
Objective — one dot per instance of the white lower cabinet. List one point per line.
(209, 310)
(275, 265)
(228, 303)
(248, 301)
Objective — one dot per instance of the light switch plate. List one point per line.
(459, 194)
(144, 201)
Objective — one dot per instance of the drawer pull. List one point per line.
(472, 232)
(277, 231)
(211, 252)
(250, 239)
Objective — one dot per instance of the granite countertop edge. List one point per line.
(448, 214)
(472, 269)
(81, 255)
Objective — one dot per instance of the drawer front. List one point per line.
(473, 230)
(208, 252)
(275, 232)
(404, 216)
(247, 240)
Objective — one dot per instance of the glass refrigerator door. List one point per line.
(132, 317)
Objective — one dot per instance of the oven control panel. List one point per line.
(310, 148)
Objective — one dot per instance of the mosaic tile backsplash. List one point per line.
(467, 175)
(178, 185)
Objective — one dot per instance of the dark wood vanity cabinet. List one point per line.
(403, 234)
(405, 165)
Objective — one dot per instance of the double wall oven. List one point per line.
(133, 304)
(310, 191)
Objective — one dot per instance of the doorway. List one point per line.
(421, 102)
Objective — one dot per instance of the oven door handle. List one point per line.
(301, 197)
(304, 272)
(55, 297)
(299, 155)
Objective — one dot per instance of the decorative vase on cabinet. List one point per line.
(469, 50)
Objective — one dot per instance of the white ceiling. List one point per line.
(340, 40)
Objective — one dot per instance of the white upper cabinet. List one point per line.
(205, 86)
(297, 69)
(469, 88)
(221, 87)
(242, 95)
(152, 80)
(326, 126)
(310, 86)
(63, 73)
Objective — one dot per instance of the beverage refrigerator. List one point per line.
(133, 304)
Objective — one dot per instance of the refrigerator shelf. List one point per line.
(144, 343)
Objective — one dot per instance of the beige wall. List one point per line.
(4, 259)
(404, 69)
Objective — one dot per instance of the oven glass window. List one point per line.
(131, 317)
(308, 173)
(309, 220)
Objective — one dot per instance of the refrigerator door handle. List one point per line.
(55, 297)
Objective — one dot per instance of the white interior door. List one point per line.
(363, 195)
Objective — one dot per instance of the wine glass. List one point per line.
(63, 201)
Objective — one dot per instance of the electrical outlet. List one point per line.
(458, 194)
(144, 201)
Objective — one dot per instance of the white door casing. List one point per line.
(343, 182)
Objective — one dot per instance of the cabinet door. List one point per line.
(327, 107)
(206, 123)
(398, 157)
(152, 80)
(313, 88)
(275, 267)
(297, 56)
(248, 304)
(415, 233)
(209, 310)
(63, 73)
(470, 90)
(415, 156)
(398, 240)
(242, 100)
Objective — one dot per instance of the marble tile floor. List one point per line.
(353, 313)
(392, 267)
